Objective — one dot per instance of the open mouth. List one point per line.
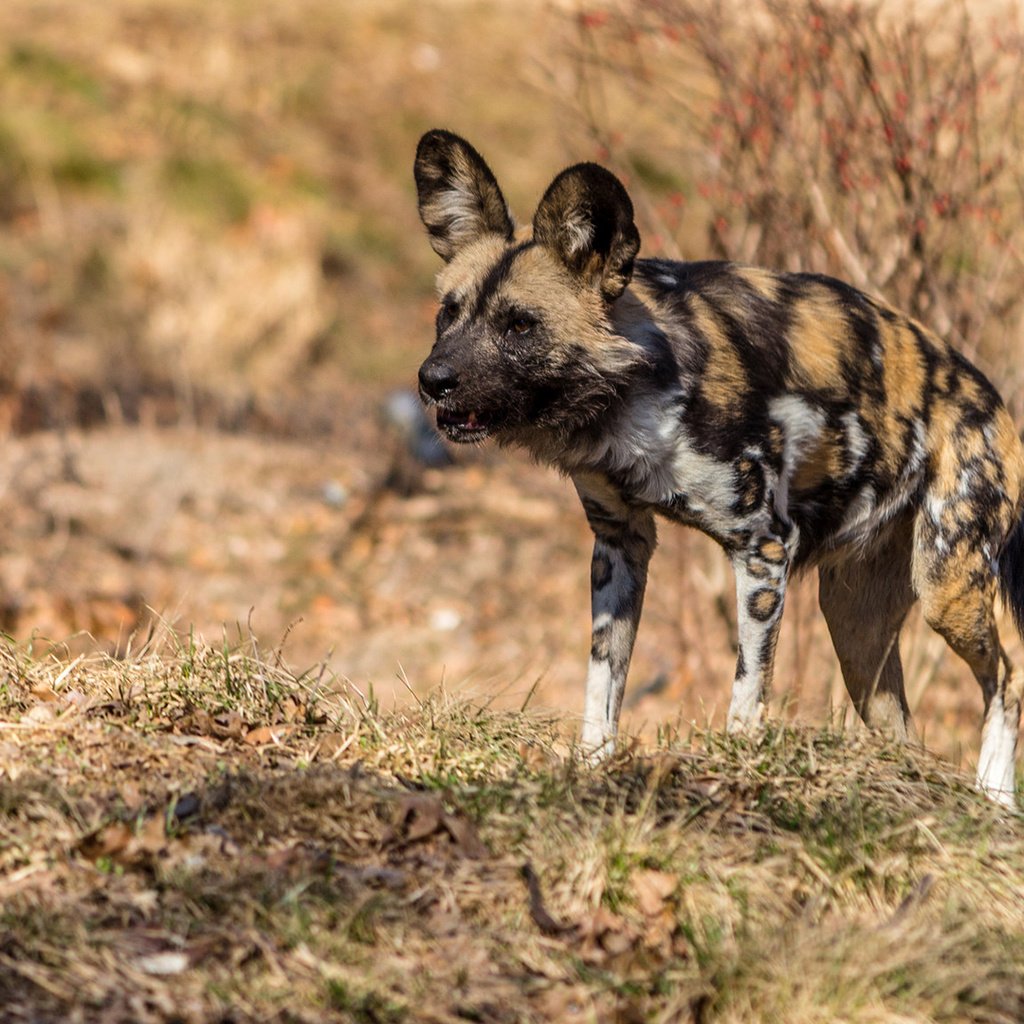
(463, 425)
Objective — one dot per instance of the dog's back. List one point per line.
(872, 412)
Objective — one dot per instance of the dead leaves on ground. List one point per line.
(609, 939)
(288, 717)
(421, 815)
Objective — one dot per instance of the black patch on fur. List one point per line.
(754, 326)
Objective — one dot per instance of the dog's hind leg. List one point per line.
(961, 527)
(624, 542)
(957, 596)
(865, 600)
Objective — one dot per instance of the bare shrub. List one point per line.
(879, 146)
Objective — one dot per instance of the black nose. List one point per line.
(437, 379)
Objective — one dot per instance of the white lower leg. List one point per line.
(747, 705)
(996, 768)
(598, 737)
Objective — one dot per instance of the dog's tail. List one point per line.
(1011, 573)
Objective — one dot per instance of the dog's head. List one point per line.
(523, 333)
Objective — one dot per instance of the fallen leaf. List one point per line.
(292, 710)
(566, 1002)
(152, 837)
(616, 942)
(230, 726)
(652, 888)
(285, 857)
(420, 815)
(265, 734)
(108, 841)
(660, 934)
(39, 713)
(463, 831)
(197, 723)
(334, 743)
(535, 757)
(131, 794)
(606, 934)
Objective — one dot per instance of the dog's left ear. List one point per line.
(586, 217)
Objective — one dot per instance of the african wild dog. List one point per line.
(794, 419)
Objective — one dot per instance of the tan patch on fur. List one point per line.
(764, 282)
(597, 486)
(538, 277)
(764, 603)
(574, 315)
(817, 335)
(962, 615)
(1009, 451)
(751, 486)
(904, 369)
(724, 380)
(772, 551)
(469, 265)
(951, 447)
(905, 381)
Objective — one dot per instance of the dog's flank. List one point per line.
(791, 417)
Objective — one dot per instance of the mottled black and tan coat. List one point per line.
(791, 417)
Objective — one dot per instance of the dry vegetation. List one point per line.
(211, 272)
(200, 835)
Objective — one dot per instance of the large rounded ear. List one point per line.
(586, 217)
(458, 196)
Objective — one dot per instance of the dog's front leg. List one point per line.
(762, 572)
(624, 541)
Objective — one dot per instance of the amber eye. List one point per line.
(520, 325)
(451, 309)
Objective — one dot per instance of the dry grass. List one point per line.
(202, 835)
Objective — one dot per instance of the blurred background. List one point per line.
(215, 293)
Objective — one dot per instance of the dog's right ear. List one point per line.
(459, 198)
(586, 219)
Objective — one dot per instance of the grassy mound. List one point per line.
(206, 835)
